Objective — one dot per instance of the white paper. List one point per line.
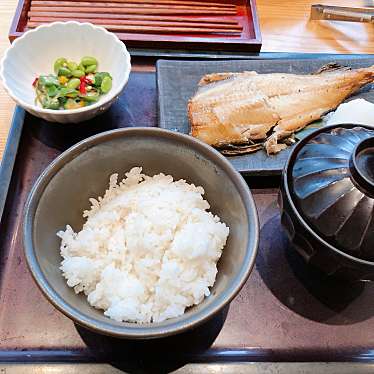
(359, 111)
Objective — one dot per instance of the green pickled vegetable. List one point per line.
(89, 60)
(73, 85)
(50, 103)
(80, 67)
(59, 63)
(72, 65)
(68, 92)
(62, 100)
(77, 73)
(48, 80)
(54, 104)
(91, 97)
(106, 84)
(99, 76)
(52, 91)
(64, 71)
(91, 69)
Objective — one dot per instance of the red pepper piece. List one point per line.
(88, 81)
(82, 87)
(35, 81)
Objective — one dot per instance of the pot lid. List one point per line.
(331, 182)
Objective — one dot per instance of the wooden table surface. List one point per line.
(285, 27)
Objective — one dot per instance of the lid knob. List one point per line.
(361, 165)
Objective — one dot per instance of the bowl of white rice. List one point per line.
(140, 233)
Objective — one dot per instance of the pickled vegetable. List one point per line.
(74, 85)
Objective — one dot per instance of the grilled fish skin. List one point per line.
(240, 108)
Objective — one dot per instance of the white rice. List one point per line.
(148, 250)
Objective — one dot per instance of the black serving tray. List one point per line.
(285, 314)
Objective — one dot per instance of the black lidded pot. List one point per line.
(327, 200)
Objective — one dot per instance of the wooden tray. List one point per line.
(177, 82)
(249, 40)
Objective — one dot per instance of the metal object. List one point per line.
(337, 13)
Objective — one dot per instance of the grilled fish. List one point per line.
(242, 112)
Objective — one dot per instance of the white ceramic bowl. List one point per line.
(34, 53)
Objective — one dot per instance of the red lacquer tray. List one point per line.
(249, 40)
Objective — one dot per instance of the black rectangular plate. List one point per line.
(177, 82)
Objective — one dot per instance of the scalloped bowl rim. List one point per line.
(104, 100)
(286, 179)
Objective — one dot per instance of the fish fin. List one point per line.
(216, 77)
(241, 149)
(272, 146)
(331, 66)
